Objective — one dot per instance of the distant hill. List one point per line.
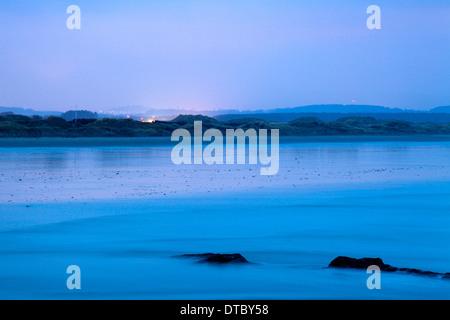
(415, 117)
(339, 108)
(325, 112)
(443, 109)
(183, 119)
(29, 112)
(79, 114)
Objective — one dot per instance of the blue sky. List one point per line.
(223, 54)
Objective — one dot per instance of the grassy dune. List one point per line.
(23, 126)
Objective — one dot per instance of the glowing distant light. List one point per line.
(153, 117)
(142, 119)
(128, 117)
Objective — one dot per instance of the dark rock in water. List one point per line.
(364, 263)
(217, 257)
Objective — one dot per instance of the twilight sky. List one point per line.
(240, 54)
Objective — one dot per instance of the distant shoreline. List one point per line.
(17, 126)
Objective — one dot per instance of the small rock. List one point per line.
(364, 263)
(217, 258)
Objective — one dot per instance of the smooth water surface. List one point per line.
(123, 214)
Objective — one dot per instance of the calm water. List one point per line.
(133, 211)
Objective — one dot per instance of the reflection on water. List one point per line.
(55, 160)
(129, 157)
(311, 154)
